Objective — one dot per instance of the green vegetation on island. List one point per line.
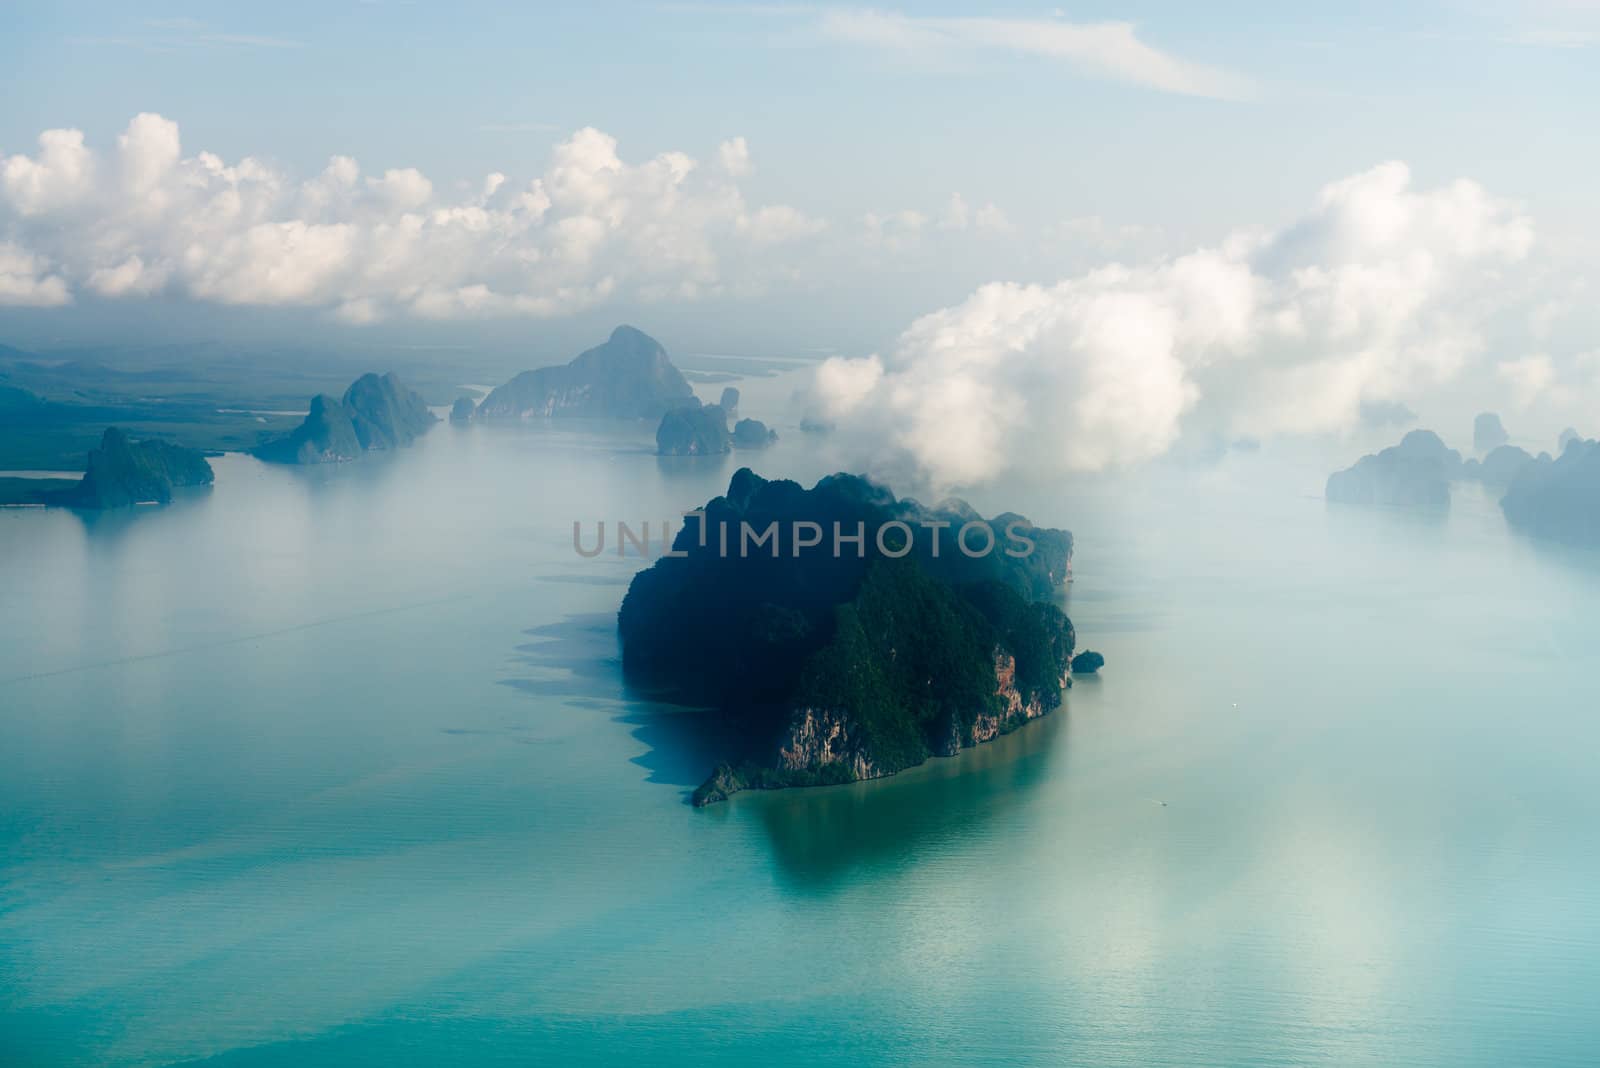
(831, 666)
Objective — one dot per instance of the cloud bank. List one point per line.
(1377, 290)
(144, 218)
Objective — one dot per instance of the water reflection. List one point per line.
(823, 837)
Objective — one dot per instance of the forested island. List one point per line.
(835, 661)
(376, 413)
(119, 472)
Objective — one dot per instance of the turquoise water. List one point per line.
(336, 767)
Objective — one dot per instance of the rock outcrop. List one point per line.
(1087, 662)
(628, 377)
(462, 410)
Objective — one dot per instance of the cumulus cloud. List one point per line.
(1375, 291)
(145, 218)
(25, 281)
(894, 230)
(987, 219)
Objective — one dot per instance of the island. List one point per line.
(1558, 499)
(1087, 662)
(120, 472)
(462, 410)
(376, 413)
(628, 377)
(1498, 469)
(1488, 433)
(860, 635)
(752, 434)
(1413, 474)
(729, 402)
(694, 430)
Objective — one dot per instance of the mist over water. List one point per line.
(337, 766)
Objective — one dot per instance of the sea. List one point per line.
(337, 766)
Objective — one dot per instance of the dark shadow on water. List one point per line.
(820, 837)
(824, 837)
(578, 662)
(111, 524)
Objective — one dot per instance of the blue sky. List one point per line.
(893, 161)
(462, 88)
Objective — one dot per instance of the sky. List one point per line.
(1116, 224)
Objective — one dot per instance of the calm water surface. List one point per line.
(336, 767)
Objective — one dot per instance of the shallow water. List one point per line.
(336, 766)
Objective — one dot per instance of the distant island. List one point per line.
(120, 472)
(1488, 432)
(830, 667)
(628, 377)
(1556, 498)
(696, 429)
(752, 434)
(376, 413)
(1413, 474)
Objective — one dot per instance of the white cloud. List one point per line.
(894, 230)
(1377, 290)
(734, 155)
(992, 220)
(1105, 49)
(25, 280)
(988, 219)
(144, 217)
(1529, 378)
